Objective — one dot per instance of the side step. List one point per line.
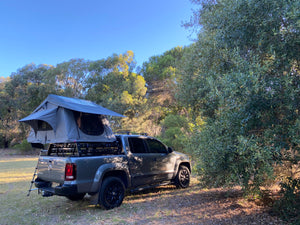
(151, 186)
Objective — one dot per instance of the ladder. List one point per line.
(33, 177)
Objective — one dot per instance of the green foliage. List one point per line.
(24, 91)
(71, 76)
(143, 123)
(288, 207)
(23, 147)
(160, 68)
(226, 159)
(115, 86)
(110, 82)
(175, 130)
(243, 76)
(162, 73)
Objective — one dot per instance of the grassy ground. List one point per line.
(164, 205)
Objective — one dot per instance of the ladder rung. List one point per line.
(33, 189)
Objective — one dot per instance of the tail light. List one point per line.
(70, 171)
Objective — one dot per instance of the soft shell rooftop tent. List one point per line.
(61, 119)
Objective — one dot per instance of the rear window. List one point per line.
(137, 145)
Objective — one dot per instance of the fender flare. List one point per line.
(104, 169)
(178, 163)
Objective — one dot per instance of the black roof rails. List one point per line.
(130, 133)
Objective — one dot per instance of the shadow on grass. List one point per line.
(159, 205)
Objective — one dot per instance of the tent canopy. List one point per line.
(48, 115)
(76, 104)
(61, 119)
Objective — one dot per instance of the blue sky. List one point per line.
(52, 32)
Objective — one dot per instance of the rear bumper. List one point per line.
(61, 190)
(66, 190)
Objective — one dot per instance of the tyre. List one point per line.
(76, 197)
(183, 177)
(112, 192)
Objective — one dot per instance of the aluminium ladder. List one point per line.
(33, 177)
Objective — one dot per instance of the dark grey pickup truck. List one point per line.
(106, 170)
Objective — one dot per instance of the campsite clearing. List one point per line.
(156, 206)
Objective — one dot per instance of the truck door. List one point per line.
(164, 162)
(141, 163)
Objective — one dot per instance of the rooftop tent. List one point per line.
(61, 119)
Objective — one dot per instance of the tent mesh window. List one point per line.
(90, 124)
(43, 126)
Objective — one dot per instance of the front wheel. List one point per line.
(112, 192)
(183, 176)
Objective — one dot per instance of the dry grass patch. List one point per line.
(164, 205)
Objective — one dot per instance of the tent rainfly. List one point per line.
(61, 119)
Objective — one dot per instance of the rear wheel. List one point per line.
(112, 192)
(183, 177)
(76, 197)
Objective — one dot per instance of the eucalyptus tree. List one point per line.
(113, 84)
(20, 94)
(71, 77)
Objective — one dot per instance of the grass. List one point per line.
(16, 208)
(164, 205)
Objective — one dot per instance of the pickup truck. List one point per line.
(106, 170)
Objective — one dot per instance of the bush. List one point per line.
(288, 206)
(24, 146)
(227, 158)
(175, 132)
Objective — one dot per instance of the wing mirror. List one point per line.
(170, 150)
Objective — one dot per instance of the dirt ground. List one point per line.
(167, 205)
(201, 206)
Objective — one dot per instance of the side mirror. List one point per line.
(170, 150)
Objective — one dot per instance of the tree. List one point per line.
(20, 94)
(243, 76)
(161, 74)
(71, 77)
(160, 68)
(114, 85)
(4, 111)
(175, 131)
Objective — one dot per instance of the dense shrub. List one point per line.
(24, 146)
(288, 206)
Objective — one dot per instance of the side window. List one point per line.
(137, 145)
(155, 146)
